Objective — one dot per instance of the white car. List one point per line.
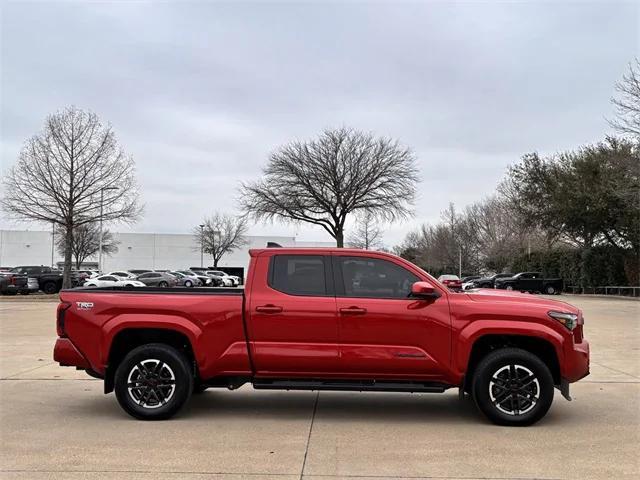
(123, 275)
(227, 280)
(112, 281)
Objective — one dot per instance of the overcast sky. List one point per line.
(200, 93)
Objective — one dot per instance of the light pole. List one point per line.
(201, 245)
(53, 240)
(100, 234)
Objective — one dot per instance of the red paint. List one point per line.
(321, 337)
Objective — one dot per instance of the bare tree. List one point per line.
(367, 233)
(221, 234)
(627, 105)
(322, 181)
(70, 174)
(86, 242)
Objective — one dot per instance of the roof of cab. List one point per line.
(256, 252)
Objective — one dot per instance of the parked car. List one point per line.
(80, 275)
(486, 282)
(13, 283)
(227, 280)
(533, 282)
(469, 278)
(306, 321)
(452, 282)
(139, 271)
(217, 276)
(205, 280)
(158, 279)
(185, 280)
(49, 279)
(123, 275)
(112, 281)
(90, 273)
(32, 286)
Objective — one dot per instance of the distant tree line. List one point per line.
(575, 214)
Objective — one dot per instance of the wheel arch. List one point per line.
(129, 337)
(546, 347)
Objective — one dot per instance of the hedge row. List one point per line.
(598, 266)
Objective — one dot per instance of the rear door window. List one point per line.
(300, 275)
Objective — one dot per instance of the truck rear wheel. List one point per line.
(549, 290)
(153, 382)
(50, 288)
(512, 387)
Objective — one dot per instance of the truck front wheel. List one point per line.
(153, 382)
(512, 387)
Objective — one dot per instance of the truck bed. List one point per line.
(211, 319)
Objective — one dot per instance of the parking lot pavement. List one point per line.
(55, 423)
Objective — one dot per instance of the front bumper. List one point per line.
(67, 355)
(576, 361)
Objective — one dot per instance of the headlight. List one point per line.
(569, 320)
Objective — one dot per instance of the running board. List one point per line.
(349, 385)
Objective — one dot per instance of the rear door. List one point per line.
(383, 331)
(292, 316)
(530, 282)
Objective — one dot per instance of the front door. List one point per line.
(292, 317)
(384, 333)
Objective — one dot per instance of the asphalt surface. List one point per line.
(55, 423)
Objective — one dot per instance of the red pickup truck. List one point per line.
(325, 319)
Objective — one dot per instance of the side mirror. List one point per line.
(424, 290)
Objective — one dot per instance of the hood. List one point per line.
(490, 295)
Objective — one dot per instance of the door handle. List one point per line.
(269, 309)
(353, 311)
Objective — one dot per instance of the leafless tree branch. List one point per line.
(324, 180)
(62, 171)
(220, 235)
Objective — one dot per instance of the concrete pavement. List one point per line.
(55, 423)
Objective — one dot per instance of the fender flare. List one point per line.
(469, 335)
(172, 322)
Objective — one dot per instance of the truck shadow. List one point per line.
(333, 406)
(344, 407)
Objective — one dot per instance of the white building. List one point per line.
(135, 250)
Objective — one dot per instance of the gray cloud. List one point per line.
(200, 92)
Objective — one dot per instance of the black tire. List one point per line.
(128, 286)
(163, 284)
(188, 283)
(487, 390)
(145, 400)
(509, 287)
(550, 290)
(50, 288)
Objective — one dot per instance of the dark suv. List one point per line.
(49, 279)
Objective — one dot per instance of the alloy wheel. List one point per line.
(151, 383)
(514, 389)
